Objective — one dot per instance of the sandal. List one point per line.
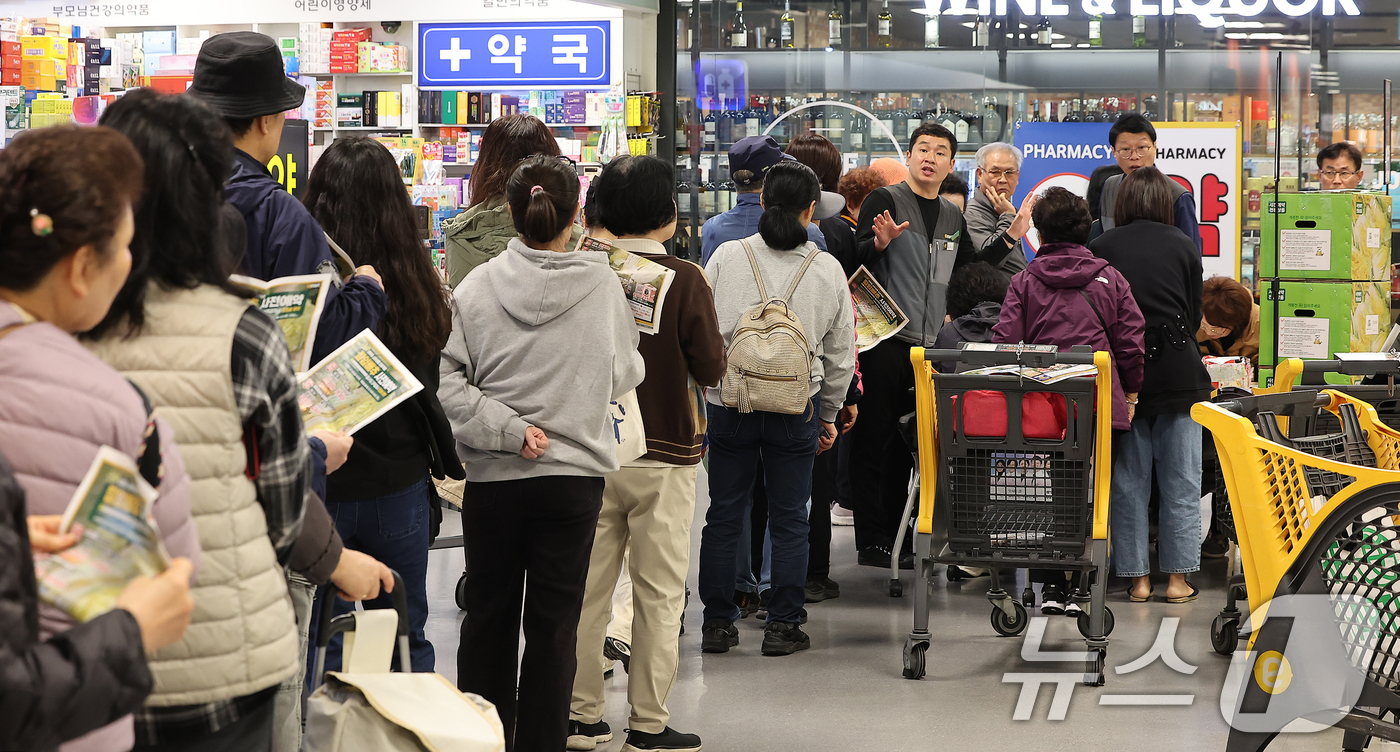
(1195, 591)
(1139, 598)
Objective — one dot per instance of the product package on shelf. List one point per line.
(349, 110)
(1317, 319)
(408, 154)
(1341, 235)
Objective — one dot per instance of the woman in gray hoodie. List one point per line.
(542, 340)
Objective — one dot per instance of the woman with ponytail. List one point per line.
(542, 340)
(788, 444)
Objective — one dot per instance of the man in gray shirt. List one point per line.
(990, 212)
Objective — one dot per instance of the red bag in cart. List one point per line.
(983, 413)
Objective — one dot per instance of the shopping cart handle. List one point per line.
(1281, 403)
(1032, 358)
(1353, 367)
(324, 629)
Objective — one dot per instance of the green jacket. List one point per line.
(478, 235)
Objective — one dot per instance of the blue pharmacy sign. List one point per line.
(1059, 154)
(547, 54)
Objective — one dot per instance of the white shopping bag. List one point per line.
(627, 427)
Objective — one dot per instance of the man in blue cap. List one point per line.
(749, 159)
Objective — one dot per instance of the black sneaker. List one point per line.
(874, 556)
(586, 736)
(617, 650)
(781, 638)
(763, 600)
(747, 603)
(1052, 600)
(718, 636)
(670, 740)
(1215, 546)
(821, 589)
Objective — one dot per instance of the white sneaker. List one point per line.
(1053, 601)
(1072, 609)
(841, 516)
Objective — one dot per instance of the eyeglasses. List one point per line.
(1334, 174)
(1128, 152)
(999, 174)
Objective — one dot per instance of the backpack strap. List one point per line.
(757, 275)
(1102, 323)
(792, 289)
(150, 463)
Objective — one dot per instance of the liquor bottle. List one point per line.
(683, 198)
(707, 199)
(992, 121)
(1043, 34)
(1076, 112)
(961, 129)
(884, 37)
(711, 127)
(737, 32)
(931, 30)
(1095, 31)
(739, 124)
(974, 127)
(1139, 31)
(833, 27)
(724, 125)
(982, 36)
(753, 118)
(836, 125)
(884, 112)
(949, 119)
(1091, 110)
(856, 130)
(916, 118)
(787, 27)
(899, 123)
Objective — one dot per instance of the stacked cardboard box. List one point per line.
(324, 115)
(11, 63)
(44, 63)
(314, 47)
(50, 109)
(382, 58)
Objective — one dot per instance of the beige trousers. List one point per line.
(649, 510)
(620, 628)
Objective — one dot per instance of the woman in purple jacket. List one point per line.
(1068, 297)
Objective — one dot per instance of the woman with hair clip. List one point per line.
(787, 444)
(542, 340)
(1163, 266)
(66, 196)
(383, 500)
(481, 233)
(218, 370)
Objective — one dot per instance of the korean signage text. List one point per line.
(519, 55)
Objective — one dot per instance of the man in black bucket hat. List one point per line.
(240, 76)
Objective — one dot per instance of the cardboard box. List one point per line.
(44, 46)
(1319, 319)
(345, 47)
(350, 110)
(11, 48)
(39, 67)
(38, 82)
(12, 62)
(1341, 235)
(11, 77)
(158, 42)
(363, 34)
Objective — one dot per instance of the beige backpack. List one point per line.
(770, 363)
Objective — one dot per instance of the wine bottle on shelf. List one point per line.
(1043, 34)
(961, 128)
(787, 27)
(992, 121)
(1033, 114)
(899, 124)
(1096, 31)
(833, 27)
(856, 131)
(711, 127)
(753, 118)
(737, 32)
(884, 112)
(949, 119)
(724, 125)
(884, 37)
(931, 29)
(916, 118)
(1139, 31)
(1076, 114)
(683, 198)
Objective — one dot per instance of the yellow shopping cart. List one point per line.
(1310, 525)
(1026, 492)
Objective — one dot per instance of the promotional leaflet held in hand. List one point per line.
(644, 281)
(357, 383)
(295, 304)
(120, 541)
(877, 316)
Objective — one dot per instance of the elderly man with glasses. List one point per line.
(1134, 143)
(1339, 167)
(990, 212)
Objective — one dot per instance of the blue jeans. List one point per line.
(788, 446)
(765, 571)
(1172, 443)
(394, 530)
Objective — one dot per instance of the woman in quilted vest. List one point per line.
(742, 431)
(219, 370)
(65, 223)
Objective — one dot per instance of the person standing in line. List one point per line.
(749, 160)
(911, 240)
(955, 189)
(1164, 269)
(542, 340)
(64, 255)
(649, 502)
(778, 258)
(240, 75)
(1339, 167)
(990, 212)
(219, 371)
(1134, 143)
(1068, 297)
(383, 500)
(482, 232)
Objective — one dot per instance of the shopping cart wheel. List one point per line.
(1224, 634)
(1028, 597)
(1083, 620)
(462, 592)
(1010, 626)
(896, 589)
(914, 662)
(1093, 668)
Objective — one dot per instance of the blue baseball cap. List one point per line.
(753, 155)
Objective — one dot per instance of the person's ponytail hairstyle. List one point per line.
(543, 198)
(789, 188)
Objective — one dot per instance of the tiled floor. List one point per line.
(846, 693)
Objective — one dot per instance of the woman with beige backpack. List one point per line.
(789, 332)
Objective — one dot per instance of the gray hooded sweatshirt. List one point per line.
(542, 339)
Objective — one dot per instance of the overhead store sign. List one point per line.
(515, 55)
(186, 12)
(1208, 11)
(1202, 157)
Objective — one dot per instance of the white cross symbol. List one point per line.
(456, 55)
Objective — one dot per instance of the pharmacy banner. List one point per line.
(1202, 157)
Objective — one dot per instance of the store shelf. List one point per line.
(397, 74)
(363, 128)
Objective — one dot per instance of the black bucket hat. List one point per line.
(240, 74)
